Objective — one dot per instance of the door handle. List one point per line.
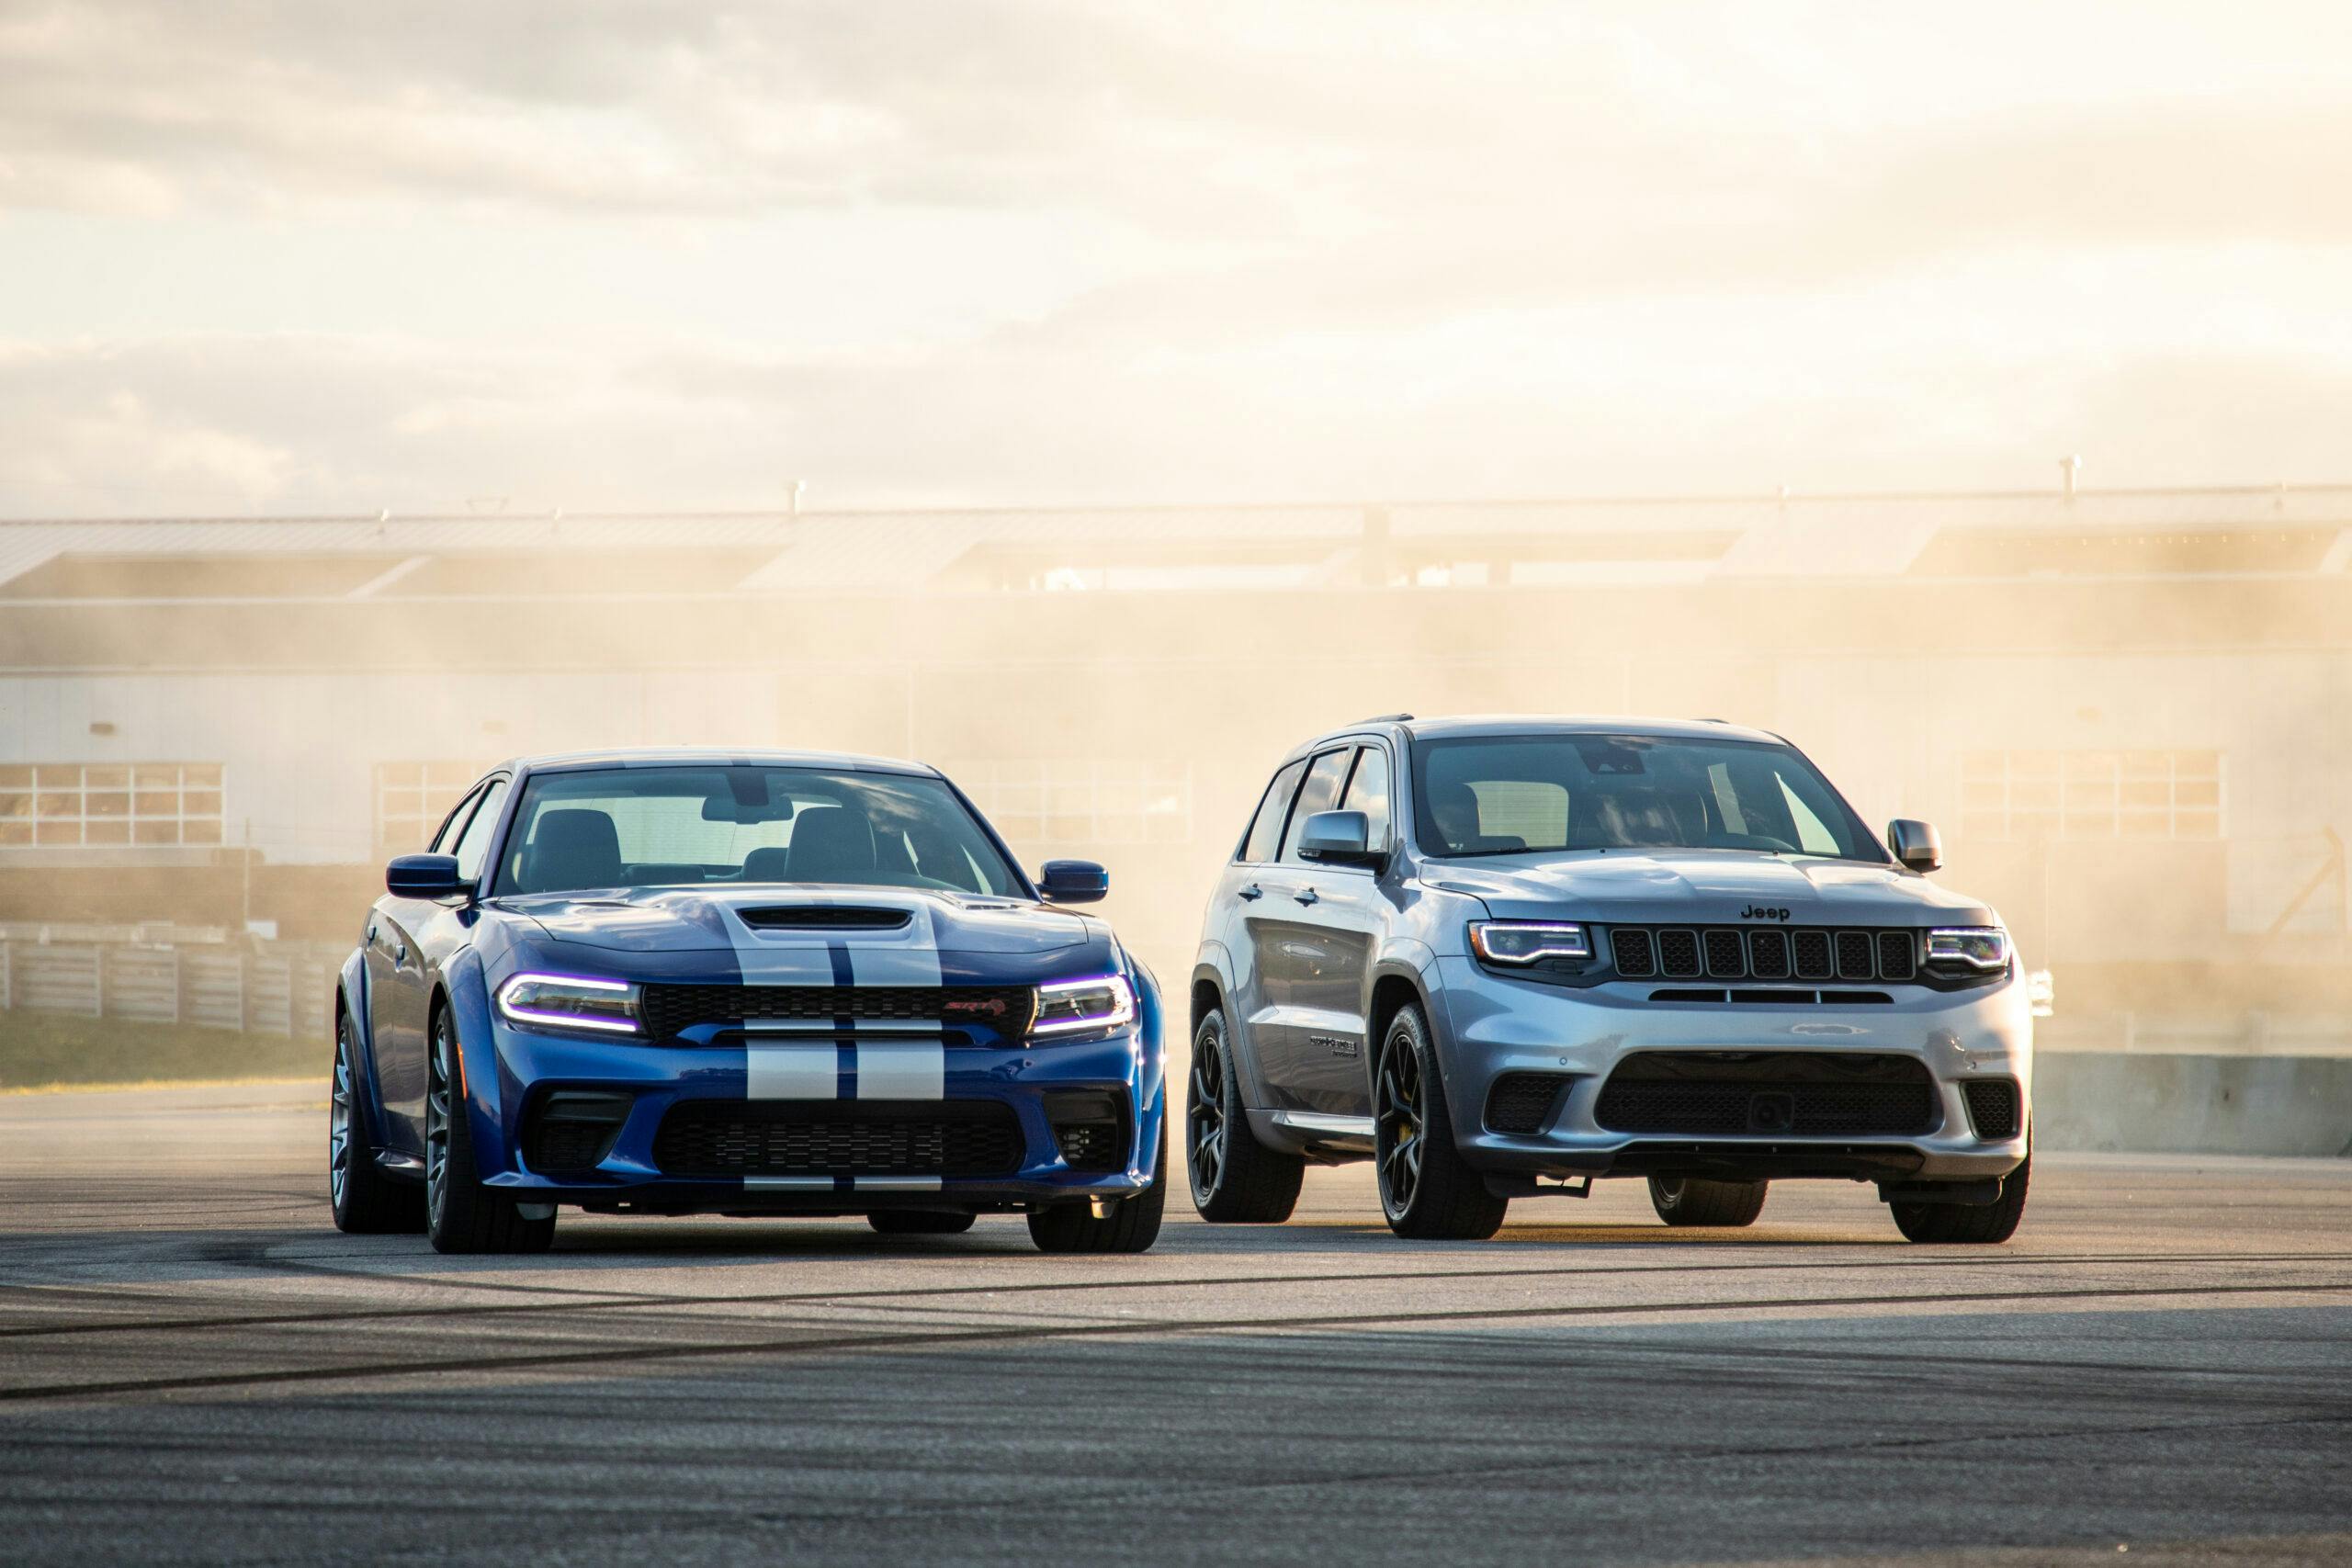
(1307, 897)
(400, 955)
(1252, 891)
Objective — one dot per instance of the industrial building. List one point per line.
(2126, 710)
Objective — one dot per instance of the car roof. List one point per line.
(708, 756)
(1459, 725)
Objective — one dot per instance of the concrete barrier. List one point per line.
(2167, 1103)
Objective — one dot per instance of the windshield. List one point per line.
(1510, 794)
(683, 826)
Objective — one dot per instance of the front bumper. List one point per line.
(1489, 1024)
(737, 1071)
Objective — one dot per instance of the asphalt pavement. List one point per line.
(195, 1366)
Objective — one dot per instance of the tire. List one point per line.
(1692, 1201)
(919, 1221)
(1964, 1224)
(1236, 1180)
(1132, 1225)
(460, 1214)
(1427, 1190)
(364, 1200)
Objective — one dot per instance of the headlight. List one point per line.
(1524, 942)
(1973, 947)
(1065, 1006)
(568, 1001)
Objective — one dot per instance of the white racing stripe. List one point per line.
(801, 1070)
(901, 1069)
(787, 1184)
(896, 1183)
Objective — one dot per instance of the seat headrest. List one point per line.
(830, 844)
(771, 863)
(570, 848)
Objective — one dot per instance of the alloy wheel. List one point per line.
(436, 1126)
(1396, 1110)
(339, 1124)
(1206, 1113)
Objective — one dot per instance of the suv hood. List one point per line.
(1709, 886)
(702, 919)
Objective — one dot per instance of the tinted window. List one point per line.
(1368, 792)
(1320, 792)
(689, 825)
(1266, 828)
(473, 845)
(1504, 793)
(445, 841)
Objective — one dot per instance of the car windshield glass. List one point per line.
(1509, 794)
(670, 827)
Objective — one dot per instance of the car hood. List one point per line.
(698, 920)
(1656, 887)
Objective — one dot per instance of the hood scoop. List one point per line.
(823, 918)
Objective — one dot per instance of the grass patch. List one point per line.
(38, 1049)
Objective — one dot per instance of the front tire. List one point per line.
(1691, 1201)
(1427, 1190)
(1971, 1225)
(364, 1201)
(1132, 1225)
(1236, 1180)
(919, 1221)
(460, 1214)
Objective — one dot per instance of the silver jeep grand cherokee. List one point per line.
(1500, 957)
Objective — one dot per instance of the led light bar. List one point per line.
(1524, 942)
(1067, 1006)
(570, 1001)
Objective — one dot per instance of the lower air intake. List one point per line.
(1521, 1103)
(1992, 1107)
(1795, 1093)
(860, 1138)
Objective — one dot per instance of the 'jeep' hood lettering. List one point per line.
(1684, 886)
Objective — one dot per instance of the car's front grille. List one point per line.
(1521, 1103)
(1775, 953)
(1801, 1093)
(859, 1137)
(669, 1009)
(1992, 1107)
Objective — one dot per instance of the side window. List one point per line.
(1320, 792)
(447, 836)
(1267, 825)
(1368, 792)
(474, 842)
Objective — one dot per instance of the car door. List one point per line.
(391, 957)
(420, 933)
(1331, 925)
(1240, 893)
(1287, 940)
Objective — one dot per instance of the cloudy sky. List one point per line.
(344, 255)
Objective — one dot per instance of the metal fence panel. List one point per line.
(59, 979)
(141, 984)
(215, 987)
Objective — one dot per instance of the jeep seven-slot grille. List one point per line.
(1800, 1093)
(861, 1137)
(669, 1009)
(1730, 953)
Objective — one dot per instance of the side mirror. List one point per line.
(1915, 844)
(426, 877)
(1073, 881)
(1337, 837)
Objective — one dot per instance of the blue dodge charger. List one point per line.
(697, 982)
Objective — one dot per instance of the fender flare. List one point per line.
(465, 990)
(351, 996)
(1213, 967)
